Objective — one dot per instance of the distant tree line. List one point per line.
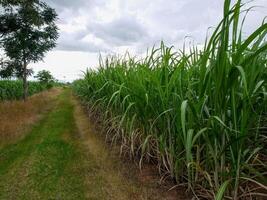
(46, 78)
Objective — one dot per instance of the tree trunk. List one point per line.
(25, 84)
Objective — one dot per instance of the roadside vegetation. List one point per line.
(201, 116)
(13, 89)
(17, 117)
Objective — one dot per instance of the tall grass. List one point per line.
(13, 90)
(200, 115)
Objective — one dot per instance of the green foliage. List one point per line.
(45, 77)
(201, 115)
(10, 69)
(11, 90)
(27, 32)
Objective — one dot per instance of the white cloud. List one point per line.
(91, 26)
(67, 65)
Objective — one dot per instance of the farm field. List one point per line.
(60, 156)
(199, 114)
(13, 90)
(167, 123)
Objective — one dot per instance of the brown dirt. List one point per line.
(16, 117)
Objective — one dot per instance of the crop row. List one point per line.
(13, 89)
(199, 113)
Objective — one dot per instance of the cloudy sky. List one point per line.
(90, 27)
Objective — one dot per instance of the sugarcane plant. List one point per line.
(199, 113)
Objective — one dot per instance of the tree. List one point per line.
(27, 32)
(9, 69)
(45, 77)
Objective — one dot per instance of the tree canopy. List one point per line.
(45, 76)
(27, 31)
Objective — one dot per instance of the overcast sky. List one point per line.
(88, 27)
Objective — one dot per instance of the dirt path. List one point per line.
(105, 181)
(47, 163)
(63, 158)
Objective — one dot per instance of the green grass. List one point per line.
(48, 163)
(200, 115)
(13, 89)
